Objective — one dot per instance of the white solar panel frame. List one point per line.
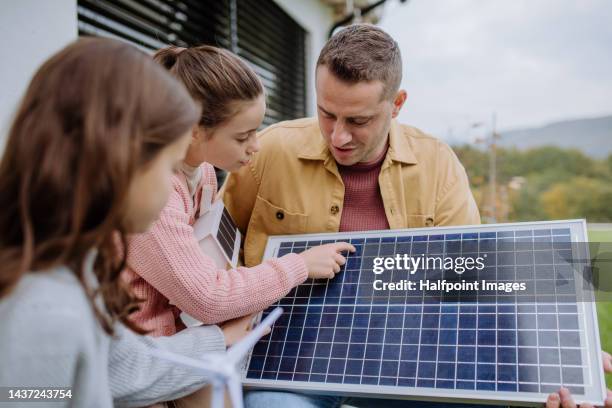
(595, 391)
(206, 228)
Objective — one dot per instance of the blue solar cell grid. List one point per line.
(340, 332)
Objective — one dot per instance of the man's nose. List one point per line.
(340, 135)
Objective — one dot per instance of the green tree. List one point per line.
(580, 197)
(558, 183)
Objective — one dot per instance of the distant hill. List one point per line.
(593, 136)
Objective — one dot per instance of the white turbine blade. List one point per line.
(218, 395)
(240, 349)
(234, 387)
(206, 368)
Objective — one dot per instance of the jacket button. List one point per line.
(429, 222)
(280, 215)
(334, 209)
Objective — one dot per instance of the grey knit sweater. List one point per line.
(49, 337)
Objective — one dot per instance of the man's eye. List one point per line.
(360, 122)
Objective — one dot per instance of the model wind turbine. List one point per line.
(222, 369)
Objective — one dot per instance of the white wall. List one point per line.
(30, 31)
(316, 18)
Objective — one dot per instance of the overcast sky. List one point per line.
(531, 61)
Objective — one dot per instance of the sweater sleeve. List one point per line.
(169, 258)
(138, 379)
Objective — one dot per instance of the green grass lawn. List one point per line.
(600, 236)
(604, 310)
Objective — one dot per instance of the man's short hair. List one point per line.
(364, 52)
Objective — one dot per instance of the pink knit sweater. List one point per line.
(168, 270)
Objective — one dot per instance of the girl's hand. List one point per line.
(564, 399)
(324, 262)
(234, 330)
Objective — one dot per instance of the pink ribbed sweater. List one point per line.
(168, 270)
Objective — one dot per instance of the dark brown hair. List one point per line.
(93, 114)
(214, 77)
(364, 52)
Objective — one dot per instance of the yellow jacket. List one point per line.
(292, 185)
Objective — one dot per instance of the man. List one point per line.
(353, 169)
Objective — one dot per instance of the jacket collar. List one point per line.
(400, 148)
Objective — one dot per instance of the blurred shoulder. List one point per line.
(50, 305)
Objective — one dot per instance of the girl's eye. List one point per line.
(244, 139)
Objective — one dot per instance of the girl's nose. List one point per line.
(253, 146)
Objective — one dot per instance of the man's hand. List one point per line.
(564, 399)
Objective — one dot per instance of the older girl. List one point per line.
(89, 159)
(167, 267)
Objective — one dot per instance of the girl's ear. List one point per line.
(198, 135)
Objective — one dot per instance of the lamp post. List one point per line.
(490, 143)
(493, 168)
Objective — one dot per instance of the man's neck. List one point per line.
(378, 158)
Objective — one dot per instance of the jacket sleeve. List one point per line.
(169, 258)
(139, 379)
(455, 204)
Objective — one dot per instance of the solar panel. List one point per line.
(343, 336)
(227, 234)
(218, 235)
